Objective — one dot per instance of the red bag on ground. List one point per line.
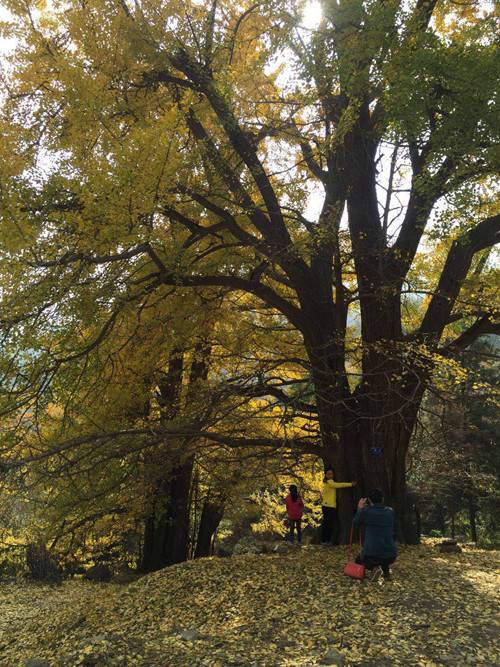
(352, 569)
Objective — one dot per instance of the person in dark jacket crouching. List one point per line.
(379, 549)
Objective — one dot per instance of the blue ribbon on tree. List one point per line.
(375, 451)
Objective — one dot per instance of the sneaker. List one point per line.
(375, 573)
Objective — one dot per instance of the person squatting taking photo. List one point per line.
(379, 548)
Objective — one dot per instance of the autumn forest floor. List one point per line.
(295, 610)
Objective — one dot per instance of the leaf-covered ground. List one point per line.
(264, 611)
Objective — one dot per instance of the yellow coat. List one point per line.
(329, 492)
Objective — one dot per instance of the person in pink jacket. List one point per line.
(294, 510)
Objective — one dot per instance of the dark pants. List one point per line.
(374, 561)
(295, 523)
(330, 525)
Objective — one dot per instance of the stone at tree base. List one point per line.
(189, 635)
(310, 535)
(248, 545)
(98, 573)
(266, 547)
(125, 576)
(36, 662)
(223, 553)
(282, 547)
(333, 657)
(255, 545)
(450, 547)
(266, 536)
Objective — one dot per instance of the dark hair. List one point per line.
(326, 470)
(376, 496)
(293, 492)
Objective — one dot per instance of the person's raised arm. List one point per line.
(359, 516)
(343, 485)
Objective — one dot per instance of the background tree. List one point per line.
(454, 458)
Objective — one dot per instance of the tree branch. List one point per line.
(301, 444)
(263, 292)
(481, 327)
(73, 257)
(239, 141)
(263, 389)
(457, 265)
(420, 205)
(229, 220)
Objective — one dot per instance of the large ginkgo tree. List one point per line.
(336, 175)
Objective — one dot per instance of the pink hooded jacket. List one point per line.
(294, 509)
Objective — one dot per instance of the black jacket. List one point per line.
(379, 531)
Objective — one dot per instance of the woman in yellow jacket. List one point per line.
(329, 526)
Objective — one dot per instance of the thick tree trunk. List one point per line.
(366, 432)
(211, 516)
(372, 470)
(166, 534)
(371, 450)
(167, 528)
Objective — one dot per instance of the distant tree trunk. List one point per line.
(441, 520)
(194, 507)
(472, 520)
(211, 516)
(453, 526)
(41, 564)
(165, 483)
(167, 528)
(166, 533)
